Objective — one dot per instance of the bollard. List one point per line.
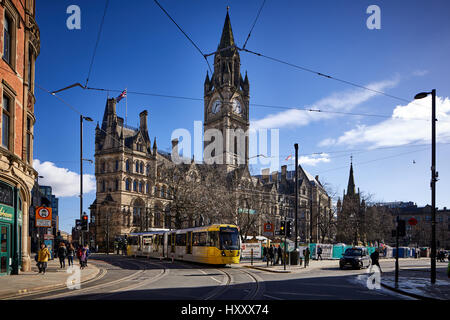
(251, 257)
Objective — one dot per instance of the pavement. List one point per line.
(33, 281)
(413, 281)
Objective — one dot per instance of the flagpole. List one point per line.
(126, 104)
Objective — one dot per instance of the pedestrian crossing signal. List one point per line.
(289, 229)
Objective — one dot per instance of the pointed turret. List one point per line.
(155, 147)
(351, 182)
(227, 39)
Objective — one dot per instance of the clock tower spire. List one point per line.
(226, 108)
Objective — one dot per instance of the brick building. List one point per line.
(19, 47)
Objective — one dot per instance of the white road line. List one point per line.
(266, 295)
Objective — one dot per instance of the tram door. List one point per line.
(4, 249)
(189, 242)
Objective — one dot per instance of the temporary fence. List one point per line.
(330, 251)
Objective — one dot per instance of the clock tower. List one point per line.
(226, 106)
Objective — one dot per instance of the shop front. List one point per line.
(10, 229)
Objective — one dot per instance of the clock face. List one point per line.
(216, 106)
(237, 106)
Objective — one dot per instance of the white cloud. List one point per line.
(404, 127)
(64, 183)
(314, 159)
(342, 101)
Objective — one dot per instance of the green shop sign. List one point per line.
(6, 214)
(243, 210)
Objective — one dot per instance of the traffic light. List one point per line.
(282, 228)
(289, 229)
(401, 228)
(84, 223)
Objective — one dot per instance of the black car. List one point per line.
(357, 258)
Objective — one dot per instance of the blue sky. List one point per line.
(142, 50)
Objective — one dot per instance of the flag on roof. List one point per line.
(290, 156)
(122, 95)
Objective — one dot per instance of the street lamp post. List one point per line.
(296, 194)
(81, 168)
(434, 176)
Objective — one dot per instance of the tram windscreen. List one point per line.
(229, 239)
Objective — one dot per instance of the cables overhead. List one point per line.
(182, 31)
(96, 43)
(256, 19)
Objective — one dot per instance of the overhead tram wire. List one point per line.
(97, 42)
(76, 111)
(254, 23)
(182, 31)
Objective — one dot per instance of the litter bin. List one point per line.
(294, 257)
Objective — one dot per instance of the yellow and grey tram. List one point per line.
(217, 244)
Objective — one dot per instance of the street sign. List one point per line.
(412, 221)
(43, 217)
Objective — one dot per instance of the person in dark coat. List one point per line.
(375, 256)
(307, 253)
(264, 254)
(319, 253)
(62, 253)
(271, 254)
(279, 255)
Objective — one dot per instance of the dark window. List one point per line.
(127, 185)
(127, 165)
(6, 121)
(117, 184)
(137, 167)
(213, 239)
(117, 165)
(135, 186)
(7, 32)
(146, 187)
(199, 239)
(180, 239)
(140, 187)
(28, 155)
(142, 167)
(30, 69)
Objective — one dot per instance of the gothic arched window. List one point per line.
(135, 185)
(140, 187)
(137, 167)
(127, 165)
(142, 167)
(127, 185)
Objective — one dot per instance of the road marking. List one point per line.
(271, 297)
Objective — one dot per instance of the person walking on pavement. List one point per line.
(375, 256)
(271, 254)
(319, 253)
(279, 255)
(70, 254)
(82, 258)
(43, 256)
(88, 252)
(307, 252)
(62, 253)
(79, 254)
(264, 254)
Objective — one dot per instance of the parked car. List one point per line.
(357, 258)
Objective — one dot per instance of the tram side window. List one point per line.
(199, 239)
(147, 241)
(213, 239)
(180, 239)
(132, 241)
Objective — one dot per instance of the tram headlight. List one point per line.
(223, 253)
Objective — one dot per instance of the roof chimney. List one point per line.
(275, 176)
(265, 175)
(143, 120)
(283, 173)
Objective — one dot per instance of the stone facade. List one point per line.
(130, 195)
(19, 45)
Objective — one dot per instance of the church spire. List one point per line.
(351, 180)
(227, 39)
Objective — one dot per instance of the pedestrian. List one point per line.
(82, 253)
(87, 253)
(43, 256)
(375, 256)
(279, 255)
(264, 254)
(271, 254)
(319, 253)
(70, 254)
(62, 253)
(307, 253)
(79, 254)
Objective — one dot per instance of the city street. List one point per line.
(125, 278)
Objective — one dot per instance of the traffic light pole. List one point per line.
(81, 174)
(284, 258)
(396, 252)
(296, 194)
